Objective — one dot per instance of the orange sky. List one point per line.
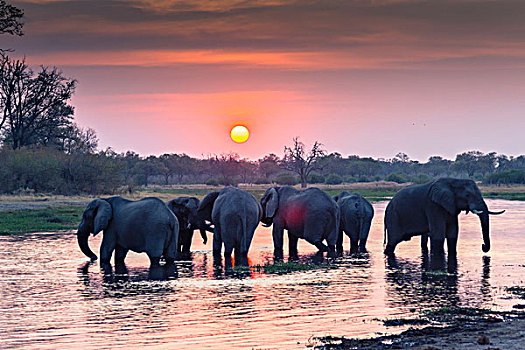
(365, 77)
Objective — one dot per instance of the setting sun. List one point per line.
(239, 134)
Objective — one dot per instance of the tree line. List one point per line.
(43, 150)
(83, 169)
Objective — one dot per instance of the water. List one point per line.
(50, 299)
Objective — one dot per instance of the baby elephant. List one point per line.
(144, 226)
(356, 215)
(235, 215)
(185, 209)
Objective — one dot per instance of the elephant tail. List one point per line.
(384, 235)
(244, 234)
(171, 248)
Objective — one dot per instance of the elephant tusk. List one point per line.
(478, 212)
(266, 225)
(496, 212)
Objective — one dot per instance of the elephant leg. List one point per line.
(228, 255)
(277, 235)
(186, 241)
(452, 240)
(437, 237)
(238, 254)
(107, 247)
(331, 251)
(339, 244)
(321, 246)
(292, 247)
(363, 235)
(354, 243)
(437, 252)
(394, 235)
(154, 261)
(424, 243)
(437, 246)
(217, 246)
(120, 255)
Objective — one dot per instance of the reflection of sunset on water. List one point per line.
(204, 307)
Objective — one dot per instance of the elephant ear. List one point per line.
(442, 194)
(206, 206)
(177, 207)
(272, 203)
(104, 213)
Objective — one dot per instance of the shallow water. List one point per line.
(50, 298)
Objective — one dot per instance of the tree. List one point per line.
(34, 108)
(298, 161)
(473, 162)
(77, 140)
(268, 166)
(10, 19)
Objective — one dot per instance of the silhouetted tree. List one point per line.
(268, 166)
(34, 108)
(10, 19)
(298, 161)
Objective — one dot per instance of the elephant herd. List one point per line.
(166, 231)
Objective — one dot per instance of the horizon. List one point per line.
(368, 78)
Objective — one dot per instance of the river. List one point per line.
(50, 298)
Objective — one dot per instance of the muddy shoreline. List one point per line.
(467, 329)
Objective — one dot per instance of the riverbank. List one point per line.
(39, 212)
(461, 328)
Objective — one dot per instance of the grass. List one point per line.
(288, 267)
(517, 290)
(432, 323)
(55, 213)
(40, 220)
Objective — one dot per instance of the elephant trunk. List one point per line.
(82, 237)
(484, 220)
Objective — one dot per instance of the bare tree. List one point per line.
(297, 160)
(34, 107)
(10, 19)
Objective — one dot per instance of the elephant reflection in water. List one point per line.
(234, 300)
(122, 273)
(411, 283)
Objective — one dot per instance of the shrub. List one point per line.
(397, 177)
(261, 181)
(350, 179)
(212, 182)
(286, 179)
(333, 179)
(421, 179)
(515, 176)
(315, 178)
(363, 178)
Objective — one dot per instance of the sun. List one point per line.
(239, 134)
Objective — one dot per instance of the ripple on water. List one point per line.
(51, 298)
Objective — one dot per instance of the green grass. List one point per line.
(288, 267)
(512, 196)
(372, 194)
(184, 191)
(40, 220)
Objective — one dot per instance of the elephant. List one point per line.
(235, 215)
(185, 209)
(310, 214)
(146, 225)
(356, 215)
(432, 210)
